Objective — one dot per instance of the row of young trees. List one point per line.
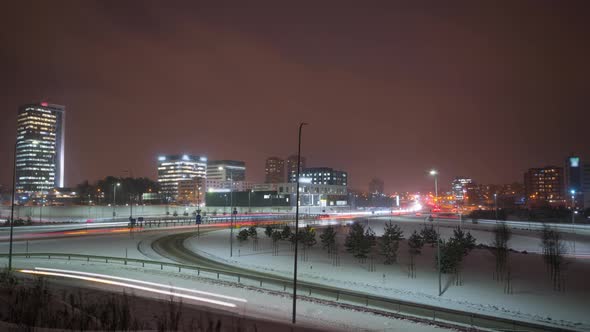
(360, 241)
(553, 253)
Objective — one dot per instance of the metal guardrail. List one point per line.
(400, 307)
(184, 220)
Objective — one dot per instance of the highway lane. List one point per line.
(91, 227)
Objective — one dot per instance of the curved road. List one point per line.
(172, 247)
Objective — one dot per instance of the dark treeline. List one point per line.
(105, 191)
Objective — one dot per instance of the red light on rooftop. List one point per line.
(44, 104)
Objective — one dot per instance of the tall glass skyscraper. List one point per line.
(40, 148)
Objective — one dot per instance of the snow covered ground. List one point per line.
(261, 304)
(533, 298)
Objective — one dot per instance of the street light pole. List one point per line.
(297, 223)
(231, 211)
(12, 209)
(573, 215)
(231, 220)
(130, 194)
(115, 185)
(496, 205)
(435, 174)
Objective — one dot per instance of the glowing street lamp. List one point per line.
(573, 192)
(496, 205)
(115, 185)
(434, 173)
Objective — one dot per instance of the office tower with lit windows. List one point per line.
(175, 168)
(586, 185)
(323, 175)
(459, 187)
(544, 186)
(40, 149)
(291, 167)
(274, 170)
(223, 170)
(573, 172)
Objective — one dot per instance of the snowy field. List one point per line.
(533, 297)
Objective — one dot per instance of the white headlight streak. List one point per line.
(128, 285)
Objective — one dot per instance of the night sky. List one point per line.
(482, 89)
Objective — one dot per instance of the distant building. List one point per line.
(226, 186)
(586, 185)
(459, 188)
(40, 149)
(544, 186)
(175, 168)
(323, 175)
(376, 186)
(191, 191)
(474, 194)
(224, 170)
(61, 197)
(311, 194)
(573, 180)
(274, 170)
(291, 167)
(511, 195)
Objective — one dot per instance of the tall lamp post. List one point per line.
(130, 194)
(435, 174)
(231, 210)
(115, 185)
(573, 192)
(12, 209)
(41, 208)
(297, 223)
(496, 205)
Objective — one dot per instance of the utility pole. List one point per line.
(297, 224)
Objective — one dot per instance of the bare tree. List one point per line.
(415, 244)
(276, 236)
(502, 235)
(553, 255)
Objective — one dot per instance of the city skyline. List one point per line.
(391, 118)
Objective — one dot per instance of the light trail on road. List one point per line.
(128, 285)
(143, 282)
